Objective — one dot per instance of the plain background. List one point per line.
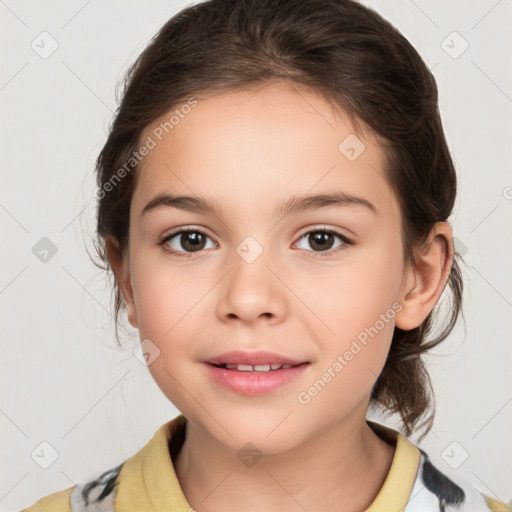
(64, 381)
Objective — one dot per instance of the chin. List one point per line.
(269, 435)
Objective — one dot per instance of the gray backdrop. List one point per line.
(64, 382)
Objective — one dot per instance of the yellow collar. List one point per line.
(148, 482)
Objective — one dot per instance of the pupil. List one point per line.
(194, 240)
(320, 237)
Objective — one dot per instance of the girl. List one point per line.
(273, 200)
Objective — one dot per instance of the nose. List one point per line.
(252, 291)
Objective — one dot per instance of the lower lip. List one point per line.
(255, 383)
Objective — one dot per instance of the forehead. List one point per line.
(273, 140)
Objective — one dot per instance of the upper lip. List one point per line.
(252, 358)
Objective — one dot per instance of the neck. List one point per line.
(341, 468)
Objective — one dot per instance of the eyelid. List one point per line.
(162, 241)
(309, 229)
(347, 241)
(324, 227)
(184, 229)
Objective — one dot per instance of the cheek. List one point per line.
(166, 299)
(173, 311)
(169, 316)
(353, 297)
(352, 358)
(355, 310)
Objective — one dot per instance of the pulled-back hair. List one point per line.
(354, 59)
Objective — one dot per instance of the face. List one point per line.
(318, 285)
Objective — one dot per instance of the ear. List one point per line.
(424, 282)
(120, 264)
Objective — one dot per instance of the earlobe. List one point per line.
(424, 283)
(121, 268)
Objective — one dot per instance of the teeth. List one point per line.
(262, 367)
(257, 368)
(244, 368)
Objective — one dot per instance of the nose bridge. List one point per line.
(250, 249)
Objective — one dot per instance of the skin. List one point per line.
(250, 150)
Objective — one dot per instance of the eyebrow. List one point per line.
(293, 205)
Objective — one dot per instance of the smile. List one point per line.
(255, 368)
(260, 379)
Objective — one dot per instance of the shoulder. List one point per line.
(495, 505)
(126, 481)
(56, 502)
(434, 490)
(96, 494)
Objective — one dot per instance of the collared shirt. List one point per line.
(147, 482)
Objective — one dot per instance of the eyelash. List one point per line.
(318, 254)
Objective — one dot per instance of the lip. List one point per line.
(252, 358)
(253, 382)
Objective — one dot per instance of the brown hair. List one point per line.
(353, 58)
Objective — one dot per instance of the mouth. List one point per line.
(262, 360)
(257, 379)
(258, 368)
(254, 372)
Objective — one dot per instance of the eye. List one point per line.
(190, 240)
(322, 240)
(186, 242)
